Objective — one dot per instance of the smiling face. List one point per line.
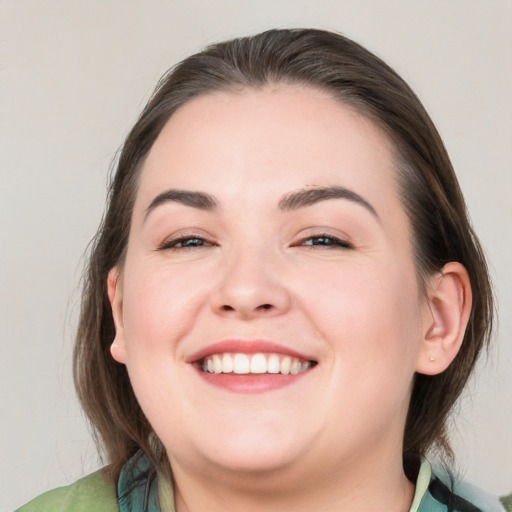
(268, 310)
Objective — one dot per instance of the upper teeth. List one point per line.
(254, 363)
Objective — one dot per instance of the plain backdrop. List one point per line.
(75, 74)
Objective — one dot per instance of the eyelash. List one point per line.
(174, 245)
(181, 243)
(333, 242)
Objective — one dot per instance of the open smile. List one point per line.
(260, 363)
(251, 366)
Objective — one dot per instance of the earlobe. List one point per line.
(445, 317)
(115, 296)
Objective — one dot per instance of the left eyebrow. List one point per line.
(303, 198)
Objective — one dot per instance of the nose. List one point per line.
(251, 287)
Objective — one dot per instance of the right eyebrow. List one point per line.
(194, 199)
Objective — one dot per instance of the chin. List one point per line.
(248, 454)
(253, 460)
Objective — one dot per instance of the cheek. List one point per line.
(366, 311)
(160, 306)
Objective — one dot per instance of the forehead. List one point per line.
(272, 139)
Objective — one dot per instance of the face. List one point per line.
(268, 310)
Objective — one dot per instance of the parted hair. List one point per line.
(430, 194)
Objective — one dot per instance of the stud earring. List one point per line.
(431, 359)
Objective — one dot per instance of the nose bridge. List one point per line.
(250, 284)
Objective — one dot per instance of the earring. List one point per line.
(431, 359)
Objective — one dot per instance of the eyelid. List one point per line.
(340, 242)
(169, 243)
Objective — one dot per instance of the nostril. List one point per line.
(227, 307)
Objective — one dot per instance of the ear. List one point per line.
(444, 318)
(115, 296)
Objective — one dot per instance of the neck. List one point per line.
(354, 487)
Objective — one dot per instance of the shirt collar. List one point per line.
(422, 483)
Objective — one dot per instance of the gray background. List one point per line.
(74, 75)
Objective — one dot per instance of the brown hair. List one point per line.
(430, 194)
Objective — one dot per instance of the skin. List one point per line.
(332, 440)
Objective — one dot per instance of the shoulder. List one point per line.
(507, 502)
(94, 493)
(458, 496)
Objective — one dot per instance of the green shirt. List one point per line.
(90, 494)
(138, 493)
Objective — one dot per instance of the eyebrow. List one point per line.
(290, 202)
(309, 197)
(199, 200)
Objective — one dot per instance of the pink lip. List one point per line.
(245, 347)
(250, 384)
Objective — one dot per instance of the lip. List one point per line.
(248, 383)
(246, 347)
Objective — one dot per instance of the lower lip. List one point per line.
(251, 383)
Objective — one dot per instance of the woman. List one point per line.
(285, 297)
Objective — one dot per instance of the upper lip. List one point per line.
(246, 347)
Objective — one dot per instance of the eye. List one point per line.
(184, 243)
(325, 241)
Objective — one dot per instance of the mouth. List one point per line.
(251, 366)
(254, 364)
